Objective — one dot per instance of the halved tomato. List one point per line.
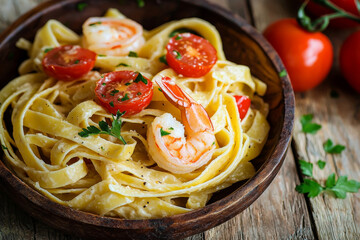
(126, 91)
(68, 62)
(243, 103)
(190, 55)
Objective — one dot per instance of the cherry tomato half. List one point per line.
(243, 103)
(190, 55)
(350, 60)
(307, 56)
(124, 91)
(68, 62)
(347, 5)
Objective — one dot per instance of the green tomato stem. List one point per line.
(321, 23)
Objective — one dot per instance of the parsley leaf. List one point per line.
(177, 54)
(81, 6)
(3, 147)
(48, 50)
(122, 64)
(113, 92)
(114, 130)
(329, 147)
(94, 24)
(321, 164)
(164, 133)
(341, 186)
(140, 3)
(283, 73)
(133, 54)
(178, 37)
(76, 61)
(311, 187)
(308, 126)
(126, 97)
(101, 55)
(163, 59)
(141, 78)
(306, 168)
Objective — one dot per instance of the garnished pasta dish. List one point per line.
(129, 123)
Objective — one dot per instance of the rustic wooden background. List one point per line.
(281, 212)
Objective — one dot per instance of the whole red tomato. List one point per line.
(307, 56)
(350, 60)
(347, 5)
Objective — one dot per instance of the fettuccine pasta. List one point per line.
(99, 173)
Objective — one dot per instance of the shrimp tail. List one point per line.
(191, 111)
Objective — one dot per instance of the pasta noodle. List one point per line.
(101, 175)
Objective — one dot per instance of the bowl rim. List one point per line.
(230, 203)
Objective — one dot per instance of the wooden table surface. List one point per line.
(280, 212)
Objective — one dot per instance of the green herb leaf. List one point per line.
(178, 37)
(101, 55)
(139, 93)
(81, 6)
(114, 130)
(311, 187)
(133, 54)
(140, 3)
(283, 73)
(76, 61)
(321, 164)
(126, 97)
(183, 30)
(330, 181)
(308, 126)
(111, 104)
(94, 24)
(163, 59)
(329, 147)
(48, 50)
(177, 54)
(141, 78)
(164, 133)
(4, 147)
(104, 84)
(342, 186)
(113, 92)
(128, 83)
(122, 64)
(334, 94)
(160, 89)
(306, 168)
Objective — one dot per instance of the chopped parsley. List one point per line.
(140, 3)
(126, 97)
(113, 92)
(177, 54)
(48, 50)
(133, 54)
(308, 126)
(139, 93)
(141, 78)
(306, 168)
(101, 55)
(183, 30)
(94, 24)
(283, 73)
(178, 37)
(128, 83)
(329, 147)
(76, 61)
(103, 95)
(163, 59)
(104, 84)
(4, 147)
(122, 64)
(111, 104)
(113, 130)
(160, 89)
(81, 6)
(164, 133)
(321, 164)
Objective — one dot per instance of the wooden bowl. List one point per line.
(242, 44)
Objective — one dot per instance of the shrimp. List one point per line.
(168, 146)
(111, 36)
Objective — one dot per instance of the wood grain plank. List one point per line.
(340, 118)
(279, 213)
